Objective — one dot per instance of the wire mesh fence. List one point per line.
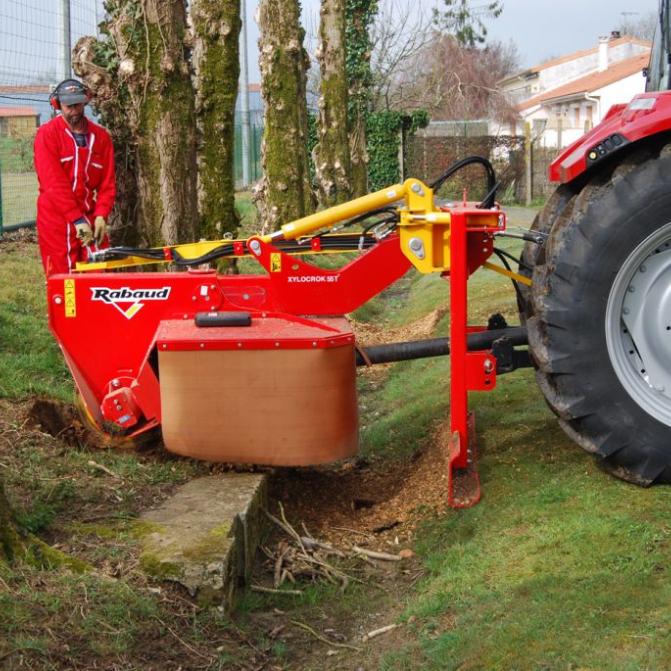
(35, 40)
(35, 36)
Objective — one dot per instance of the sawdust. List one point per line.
(380, 504)
(368, 333)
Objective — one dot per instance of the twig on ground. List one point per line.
(184, 643)
(379, 632)
(292, 531)
(104, 469)
(312, 543)
(277, 575)
(384, 556)
(354, 531)
(323, 639)
(270, 590)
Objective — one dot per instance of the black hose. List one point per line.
(351, 242)
(492, 185)
(508, 255)
(516, 286)
(421, 349)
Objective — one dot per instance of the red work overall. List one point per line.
(74, 182)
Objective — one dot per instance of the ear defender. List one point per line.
(70, 89)
(53, 100)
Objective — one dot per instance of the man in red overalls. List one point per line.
(74, 161)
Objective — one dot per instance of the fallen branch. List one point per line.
(312, 543)
(270, 590)
(379, 632)
(104, 469)
(278, 566)
(354, 531)
(384, 556)
(323, 639)
(184, 643)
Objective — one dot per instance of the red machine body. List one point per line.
(648, 114)
(112, 326)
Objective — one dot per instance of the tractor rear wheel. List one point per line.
(542, 223)
(599, 315)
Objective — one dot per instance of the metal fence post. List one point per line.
(528, 164)
(2, 229)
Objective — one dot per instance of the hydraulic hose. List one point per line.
(492, 184)
(422, 349)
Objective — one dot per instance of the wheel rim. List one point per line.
(638, 325)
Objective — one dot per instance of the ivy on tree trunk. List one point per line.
(332, 153)
(285, 192)
(360, 15)
(216, 60)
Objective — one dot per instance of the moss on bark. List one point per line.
(17, 545)
(216, 61)
(285, 193)
(332, 153)
(11, 542)
(151, 66)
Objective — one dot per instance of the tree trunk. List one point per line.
(11, 543)
(160, 114)
(332, 153)
(111, 101)
(216, 61)
(285, 192)
(18, 545)
(360, 15)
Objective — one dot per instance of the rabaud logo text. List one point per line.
(128, 301)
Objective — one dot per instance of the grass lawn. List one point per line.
(559, 567)
(19, 195)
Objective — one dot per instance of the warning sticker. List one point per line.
(275, 263)
(70, 299)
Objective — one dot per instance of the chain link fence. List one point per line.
(35, 38)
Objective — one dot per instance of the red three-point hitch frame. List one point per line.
(470, 371)
(142, 315)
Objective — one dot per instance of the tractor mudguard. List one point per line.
(647, 115)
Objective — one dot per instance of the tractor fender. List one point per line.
(647, 115)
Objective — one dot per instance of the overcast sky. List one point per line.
(541, 29)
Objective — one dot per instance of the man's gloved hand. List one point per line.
(84, 232)
(99, 229)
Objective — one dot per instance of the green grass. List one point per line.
(30, 360)
(16, 154)
(18, 182)
(560, 566)
(247, 212)
(19, 197)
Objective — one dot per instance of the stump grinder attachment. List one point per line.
(261, 368)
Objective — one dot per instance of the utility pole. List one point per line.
(244, 97)
(97, 6)
(65, 42)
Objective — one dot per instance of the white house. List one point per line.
(566, 96)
